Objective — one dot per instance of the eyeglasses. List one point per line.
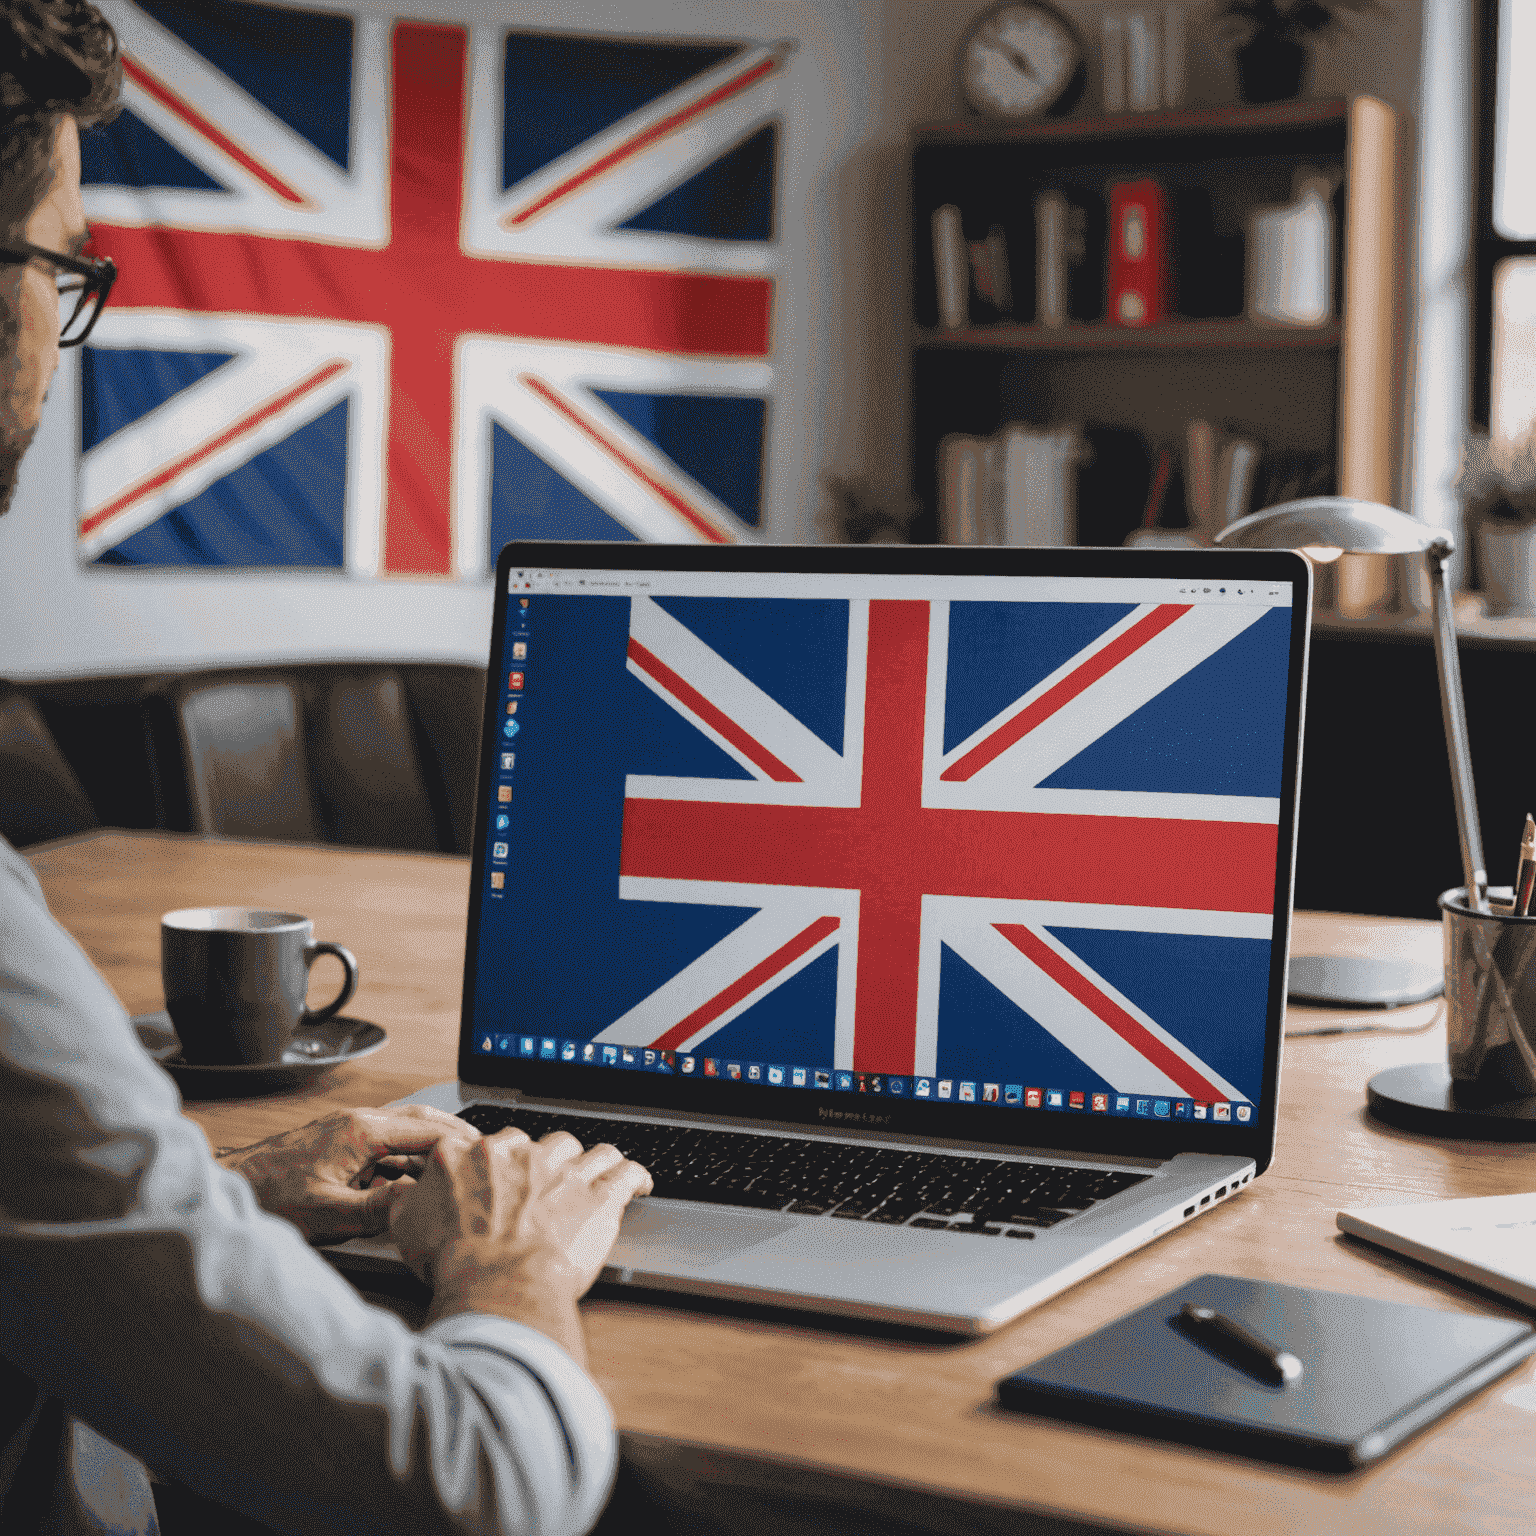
(84, 283)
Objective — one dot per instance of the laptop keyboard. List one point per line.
(979, 1195)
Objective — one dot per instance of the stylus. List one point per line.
(1240, 1345)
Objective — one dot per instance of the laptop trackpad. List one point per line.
(658, 1234)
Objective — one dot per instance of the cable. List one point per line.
(1370, 1029)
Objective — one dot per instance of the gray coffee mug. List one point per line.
(235, 980)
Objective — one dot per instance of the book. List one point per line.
(1036, 470)
(1143, 61)
(951, 268)
(1051, 212)
(1290, 257)
(1112, 60)
(1235, 471)
(1175, 55)
(1140, 271)
(989, 269)
(1489, 1240)
(966, 490)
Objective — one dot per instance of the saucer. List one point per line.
(315, 1049)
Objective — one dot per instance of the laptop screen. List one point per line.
(994, 848)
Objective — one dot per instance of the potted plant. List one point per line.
(1497, 486)
(1273, 54)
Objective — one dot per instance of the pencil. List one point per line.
(1525, 878)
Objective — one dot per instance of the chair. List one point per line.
(447, 706)
(40, 796)
(365, 765)
(244, 759)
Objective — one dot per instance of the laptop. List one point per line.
(917, 915)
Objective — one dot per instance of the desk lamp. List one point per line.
(1333, 525)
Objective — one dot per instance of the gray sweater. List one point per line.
(152, 1314)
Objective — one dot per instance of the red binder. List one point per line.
(1140, 271)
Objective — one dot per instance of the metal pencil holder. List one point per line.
(1490, 1000)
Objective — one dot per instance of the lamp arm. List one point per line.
(1453, 707)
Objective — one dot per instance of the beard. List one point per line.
(14, 438)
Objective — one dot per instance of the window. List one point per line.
(1504, 375)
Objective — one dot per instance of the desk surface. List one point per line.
(893, 1410)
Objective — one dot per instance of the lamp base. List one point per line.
(1353, 981)
(1422, 1098)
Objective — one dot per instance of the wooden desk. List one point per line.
(819, 1406)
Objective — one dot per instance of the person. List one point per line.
(162, 1308)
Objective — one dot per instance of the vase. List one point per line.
(1507, 567)
(1270, 69)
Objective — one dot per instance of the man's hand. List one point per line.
(341, 1176)
(516, 1227)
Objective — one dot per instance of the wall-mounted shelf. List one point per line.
(1177, 336)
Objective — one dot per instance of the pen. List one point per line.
(1239, 1345)
(1526, 875)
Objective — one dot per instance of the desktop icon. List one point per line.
(498, 880)
(754, 1072)
(967, 1093)
(1122, 1104)
(627, 1055)
(990, 1093)
(509, 730)
(844, 1081)
(776, 1076)
(1221, 1112)
(1245, 1111)
(1032, 1098)
(685, 1065)
(946, 1088)
(922, 1088)
(589, 1052)
(503, 1045)
(823, 1078)
(666, 1061)
(861, 1081)
(568, 1051)
(515, 681)
(610, 1055)
(1075, 1100)
(1055, 1099)
(503, 821)
(650, 1058)
(1181, 1109)
(546, 1050)
(797, 1077)
(1144, 1108)
(498, 850)
(711, 1067)
(896, 1085)
(733, 1070)
(507, 760)
(875, 1084)
(1013, 1093)
(1202, 1111)
(1160, 1108)
(486, 1046)
(519, 650)
(525, 1045)
(504, 794)
(511, 706)
(1101, 1103)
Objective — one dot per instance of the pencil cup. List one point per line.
(1490, 1000)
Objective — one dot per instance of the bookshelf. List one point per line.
(1323, 397)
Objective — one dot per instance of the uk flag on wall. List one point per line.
(393, 293)
(997, 840)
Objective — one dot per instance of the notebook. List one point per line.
(1486, 1240)
(1371, 1373)
(917, 915)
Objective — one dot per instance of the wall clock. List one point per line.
(1021, 59)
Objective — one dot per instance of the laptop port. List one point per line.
(1220, 1192)
(1189, 1210)
(1205, 1200)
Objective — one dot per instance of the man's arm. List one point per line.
(142, 1284)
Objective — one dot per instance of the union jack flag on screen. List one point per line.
(393, 293)
(969, 840)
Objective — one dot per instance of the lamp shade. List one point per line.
(1337, 522)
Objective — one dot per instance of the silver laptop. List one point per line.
(918, 916)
